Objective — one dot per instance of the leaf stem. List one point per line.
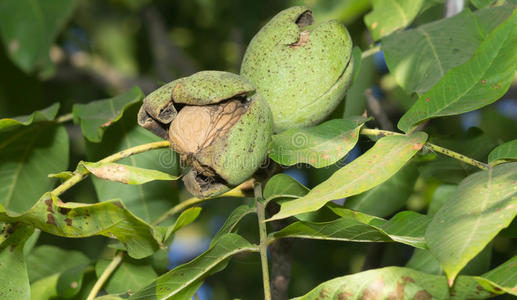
(236, 192)
(105, 275)
(433, 147)
(65, 118)
(261, 213)
(78, 176)
(371, 51)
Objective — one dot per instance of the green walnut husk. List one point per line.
(217, 124)
(303, 72)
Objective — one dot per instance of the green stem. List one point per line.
(105, 275)
(65, 118)
(78, 176)
(371, 51)
(433, 147)
(177, 208)
(236, 192)
(261, 213)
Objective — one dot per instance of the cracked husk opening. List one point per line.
(197, 127)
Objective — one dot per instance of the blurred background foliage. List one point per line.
(80, 51)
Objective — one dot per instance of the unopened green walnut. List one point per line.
(303, 73)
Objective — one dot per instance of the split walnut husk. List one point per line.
(217, 124)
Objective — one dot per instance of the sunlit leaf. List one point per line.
(482, 205)
(481, 80)
(27, 156)
(109, 218)
(503, 153)
(406, 227)
(47, 114)
(388, 197)
(388, 16)
(318, 146)
(372, 168)
(397, 283)
(182, 278)
(125, 174)
(96, 116)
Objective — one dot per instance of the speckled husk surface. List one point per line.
(302, 74)
(236, 152)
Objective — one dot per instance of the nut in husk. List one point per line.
(218, 125)
(303, 73)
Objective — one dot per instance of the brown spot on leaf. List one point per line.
(418, 146)
(422, 295)
(427, 99)
(117, 203)
(107, 123)
(51, 220)
(64, 210)
(13, 46)
(374, 25)
(11, 249)
(117, 173)
(398, 293)
(483, 81)
(373, 291)
(68, 221)
(511, 206)
(74, 284)
(344, 295)
(407, 279)
(48, 202)
(480, 288)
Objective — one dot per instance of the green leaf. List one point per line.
(29, 28)
(503, 153)
(96, 116)
(318, 146)
(47, 260)
(231, 222)
(481, 3)
(397, 283)
(374, 167)
(147, 201)
(27, 156)
(504, 277)
(283, 186)
(183, 277)
(420, 57)
(46, 114)
(388, 16)
(482, 205)
(13, 271)
(44, 288)
(481, 80)
(129, 276)
(70, 282)
(388, 197)
(405, 227)
(125, 174)
(109, 218)
(186, 217)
